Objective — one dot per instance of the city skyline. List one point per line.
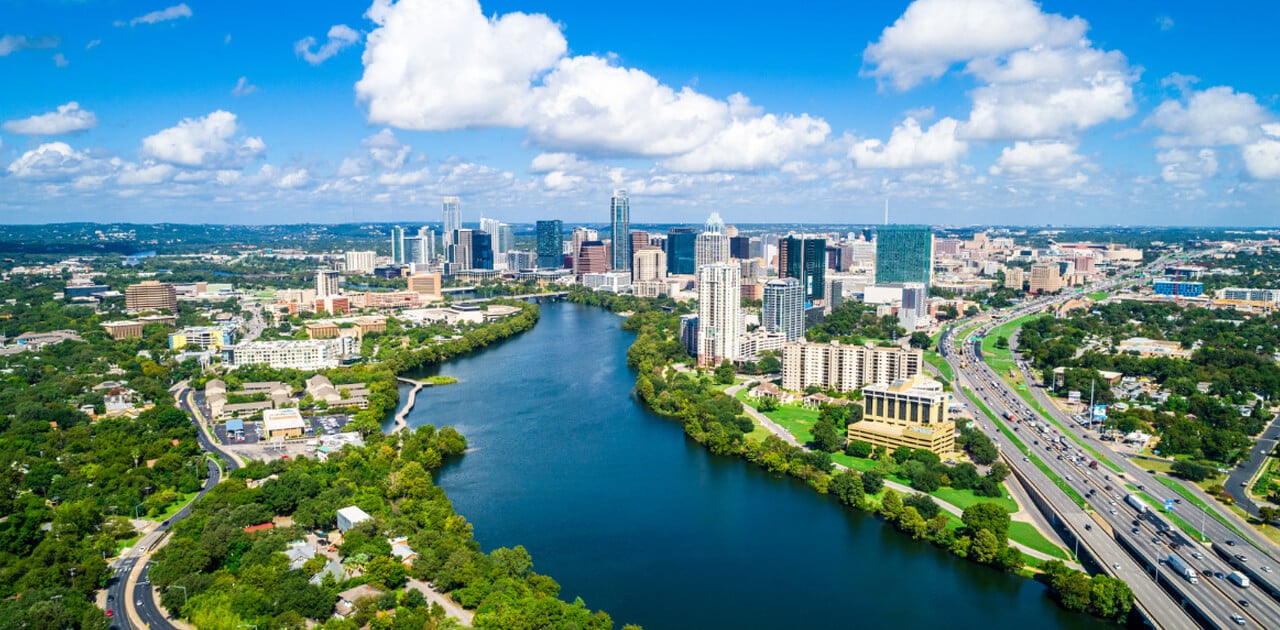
(1005, 112)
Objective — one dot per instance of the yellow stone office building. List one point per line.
(908, 412)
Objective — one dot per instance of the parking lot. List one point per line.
(254, 445)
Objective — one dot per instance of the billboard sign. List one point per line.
(1073, 396)
(1099, 412)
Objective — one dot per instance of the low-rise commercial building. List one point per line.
(282, 423)
(908, 412)
(1145, 347)
(351, 516)
(611, 281)
(126, 329)
(203, 337)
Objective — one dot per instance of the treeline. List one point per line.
(854, 322)
(229, 578)
(716, 420)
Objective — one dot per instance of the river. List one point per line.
(621, 509)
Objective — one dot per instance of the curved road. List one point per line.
(130, 597)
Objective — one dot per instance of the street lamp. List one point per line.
(135, 511)
(184, 592)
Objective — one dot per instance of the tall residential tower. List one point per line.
(620, 218)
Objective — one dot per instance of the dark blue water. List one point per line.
(621, 509)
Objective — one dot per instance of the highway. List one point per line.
(1147, 537)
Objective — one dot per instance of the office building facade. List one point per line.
(681, 251)
(620, 235)
(592, 258)
(719, 313)
(1177, 288)
(740, 247)
(550, 244)
(481, 250)
(1045, 278)
(648, 264)
(783, 310)
(397, 245)
(904, 253)
(150, 295)
(907, 412)
(460, 248)
(804, 259)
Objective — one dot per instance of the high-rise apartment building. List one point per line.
(805, 259)
(648, 264)
(150, 295)
(719, 313)
(327, 282)
(421, 248)
(712, 245)
(1045, 278)
(915, 305)
(360, 262)
(909, 412)
(550, 244)
(904, 253)
(845, 368)
(620, 218)
(452, 219)
(681, 251)
(783, 310)
(1014, 278)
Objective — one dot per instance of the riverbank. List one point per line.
(716, 421)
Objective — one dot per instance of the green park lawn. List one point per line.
(1027, 534)
(1098, 296)
(941, 364)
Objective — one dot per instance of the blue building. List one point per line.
(481, 250)
(550, 244)
(682, 251)
(904, 253)
(689, 334)
(1178, 289)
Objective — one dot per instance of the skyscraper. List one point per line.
(421, 249)
(712, 245)
(620, 218)
(397, 245)
(359, 262)
(582, 235)
(681, 251)
(719, 316)
(904, 253)
(452, 219)
(740, 247)
(649, 264)
(784, 308)
(460, 250)
(591, 258)
(550, 244)
(804, 259)
(639, 240)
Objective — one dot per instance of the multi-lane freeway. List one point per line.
(1143, 540)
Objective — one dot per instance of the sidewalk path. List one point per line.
(451, 608)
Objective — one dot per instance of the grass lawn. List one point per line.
(123, 544)
(941, 364)
(964, 498)
(1173, 517)
(1027, 534)
(1098, 296)
(855, 463)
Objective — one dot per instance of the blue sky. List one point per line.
(958, 111)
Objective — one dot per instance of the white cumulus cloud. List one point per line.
(1213, 117)
(910, 146)
(340, 36)
(163, 15)
(513, 70)
(209, 141)
(145, 174)
(68, 118)
(1182, 166)
(1262, 158)
(53, 160)
(1050, 159)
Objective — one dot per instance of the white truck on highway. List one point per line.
(1239, 579)
(1138, 505)
(1182, 568)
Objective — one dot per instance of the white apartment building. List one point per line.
(845, 368)
(315, 354)
(360, 262)
(752, 344)
(611, 281)
(327, 282)
(719, 313)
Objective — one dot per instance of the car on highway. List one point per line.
(1241, 557)
(1197, 555)
(1243, 602)
(1238, 618)
(111, 613)
(1219, 575)
(1134, 530)
(1265, 569)
(1231, 543)
(1155, 541)
(1115, 565)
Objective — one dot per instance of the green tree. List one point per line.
(901, 454)
(988, 516)
(725, 372)
(826, 437)
(986, 547)
(919, 340)
(872, 482)
(912, 523)
(1110, 598)
(891, 504)
(847, 486)
(858, 448)
(924, 505)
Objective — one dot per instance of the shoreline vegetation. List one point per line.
(717, 421)
(220, 576)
